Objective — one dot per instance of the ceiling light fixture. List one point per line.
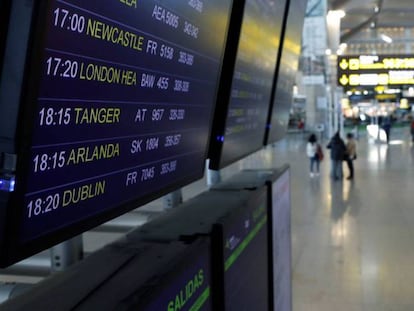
(386, 38)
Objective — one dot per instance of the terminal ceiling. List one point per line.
(365, 20)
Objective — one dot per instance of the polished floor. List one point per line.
(352, 241)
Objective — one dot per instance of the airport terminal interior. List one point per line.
(351, 240)
(212, 106)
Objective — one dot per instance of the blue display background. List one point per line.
(191, 88)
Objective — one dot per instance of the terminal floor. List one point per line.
(353, 241)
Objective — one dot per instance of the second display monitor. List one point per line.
(245, 89)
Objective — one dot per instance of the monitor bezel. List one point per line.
(215, 154)
(12, 247)
(218, 244)
(293, 9)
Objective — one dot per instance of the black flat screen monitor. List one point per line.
(185, 287)
(173, 276)
(243, 237)
(128, 276)
(116, 107)
(288, 66)
(244, 98)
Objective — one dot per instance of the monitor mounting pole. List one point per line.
(173, 199)
(213, 176)
(66, 254)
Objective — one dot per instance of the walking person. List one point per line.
(386, 126)
(313, 151)
(338, 148)
(350, 154)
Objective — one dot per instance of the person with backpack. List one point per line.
(315, 155)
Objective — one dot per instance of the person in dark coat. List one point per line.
(386, 126)
(338, 154)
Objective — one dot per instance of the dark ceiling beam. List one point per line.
(352, 32)
(403, 10)
(384, 11)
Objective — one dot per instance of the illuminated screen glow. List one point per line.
(123, 95)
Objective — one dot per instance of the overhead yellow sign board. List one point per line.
(373, 70)
(376, 62)
(374, 79)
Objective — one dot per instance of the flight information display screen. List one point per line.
(246, 259)
(121, 99)
(288, 66)
(247, 111)
(186, 287)
(176, 276)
